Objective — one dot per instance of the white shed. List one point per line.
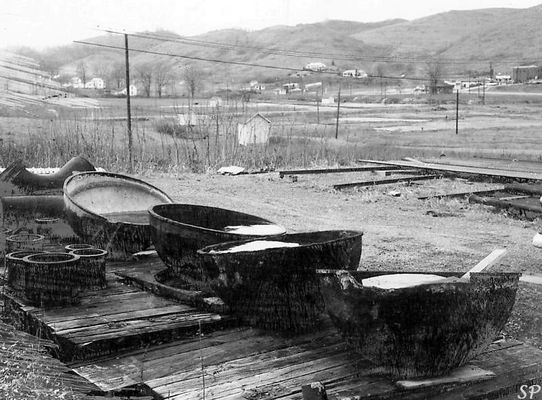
(255, 130)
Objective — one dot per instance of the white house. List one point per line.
(95, 83)
(133, 91)
(215, 101)
(502, 79)
(355, 73)
(189, 118)
(255, 130)
(76, 83)
(315, 66)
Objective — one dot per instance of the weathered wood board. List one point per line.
(488, 173)
(246, 363)
(110, 320)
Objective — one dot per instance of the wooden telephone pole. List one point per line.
(338, 110)
(457, 112)
(128, 108)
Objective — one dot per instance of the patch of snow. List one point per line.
(256, 230)
(397, 281)
(231, 170)
(256, 245)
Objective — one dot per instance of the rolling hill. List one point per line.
(465, 41)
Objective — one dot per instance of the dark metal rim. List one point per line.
(97, 252)
(13, 255)
(46, 220)
(35, 237)
(109, 175)
(170, 221)
(207, 249)
(71, 257)
(78, 246)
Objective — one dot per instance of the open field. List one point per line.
(301, 134)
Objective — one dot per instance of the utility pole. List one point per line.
(317, 109)
(338, 110)
(484, 92)
(128, 108)
(457, 112)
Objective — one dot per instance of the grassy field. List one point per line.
(301, 134)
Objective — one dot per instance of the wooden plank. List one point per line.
(234, 379)
(524, 188)
(336, 170)
(400, 172)
(117, 305)
(459, 194)
(508, 198)
(383, 181)
(512, 367)
(84, 323)
(535, 208)
(216, 349)
(494, 257)
(469, 170)
(140, 326)
(467, 373)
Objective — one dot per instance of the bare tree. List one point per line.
(434, 70)
(102, 70)
(82, 71)
(193, 78)
(380, 71)
(144, 76)
(117, 74)
(163, 75)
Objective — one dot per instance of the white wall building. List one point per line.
(95, 83)
(255, 130)
(355, 73)
(315, 66)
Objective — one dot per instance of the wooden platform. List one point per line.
(107, 321)
(251, 364)
(500, 175)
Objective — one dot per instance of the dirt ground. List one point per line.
(400, 233)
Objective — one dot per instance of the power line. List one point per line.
(305, 54)
(241, 63)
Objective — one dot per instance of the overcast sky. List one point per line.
(43, 23)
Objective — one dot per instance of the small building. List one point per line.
(95, 83)
(315, 66)
(503, 79)
(290, 87)
(215, 101)
(355, 73)
(133, 91)
(255, 130)
(526, 73)
(188, 119)
(76, 83)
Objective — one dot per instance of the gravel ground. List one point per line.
(400, 233)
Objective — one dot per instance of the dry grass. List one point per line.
(26, 371)
(160, 144)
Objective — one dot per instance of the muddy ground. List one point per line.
(400, 233)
